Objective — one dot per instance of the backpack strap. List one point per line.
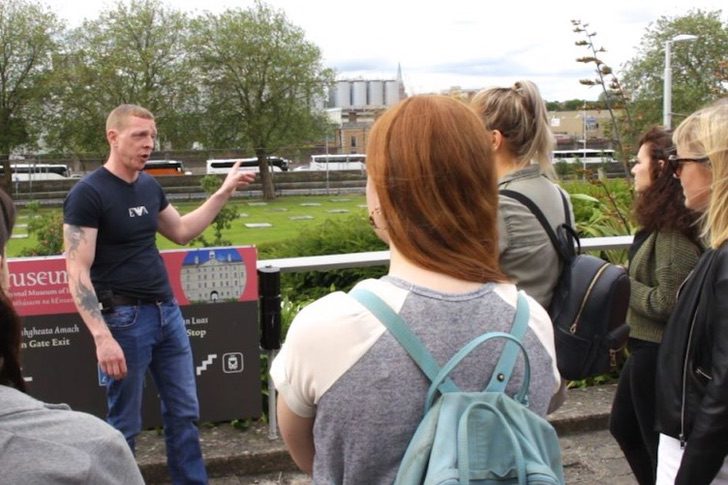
(567, 216)
(566, 240)
(403, 334)
(504, 368)
(507, 361)
(424, 359)
(512, 194)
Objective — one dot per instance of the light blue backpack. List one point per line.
(483, 437)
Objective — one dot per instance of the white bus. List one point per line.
(343, 161)
(223, 165)
(23, 172)
(584, 156)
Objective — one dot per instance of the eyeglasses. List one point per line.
(675, 162)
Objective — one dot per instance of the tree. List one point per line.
(28, 39)
(133, 53)
(264, 83)
(699, 74)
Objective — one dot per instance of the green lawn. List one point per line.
(287, 216)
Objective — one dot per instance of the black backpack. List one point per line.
(589, 304)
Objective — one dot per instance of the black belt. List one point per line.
(119, 300)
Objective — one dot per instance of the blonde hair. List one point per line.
(519, 113)
(705, 132)
(433, 172)
(118, 116)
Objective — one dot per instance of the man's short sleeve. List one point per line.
(82, 206)
(163, 202)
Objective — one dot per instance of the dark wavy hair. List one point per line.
(10, 324)
(662, 205)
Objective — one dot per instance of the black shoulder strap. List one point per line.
(536, 212)
(563, 249)
(567, 213)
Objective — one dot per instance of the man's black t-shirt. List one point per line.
(126, 215)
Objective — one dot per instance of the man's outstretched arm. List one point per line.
(183, 229)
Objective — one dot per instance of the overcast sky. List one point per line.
(466, 43)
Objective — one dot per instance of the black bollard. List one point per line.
(269, 289)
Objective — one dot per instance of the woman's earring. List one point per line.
(372, 222)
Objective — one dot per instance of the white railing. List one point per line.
(379, 258)
(375, 258)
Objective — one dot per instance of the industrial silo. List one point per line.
(376, 93)
(391, 92)
(359, 93)
(343, 94)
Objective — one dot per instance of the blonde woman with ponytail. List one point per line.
(521, 140)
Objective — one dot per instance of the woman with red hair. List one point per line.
(350, 397)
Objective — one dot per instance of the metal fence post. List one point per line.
(269, 290)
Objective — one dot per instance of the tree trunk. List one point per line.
(266, 178)
(7, 179)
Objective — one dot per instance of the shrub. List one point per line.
(602, 208)
(48, 230)
(349, 235)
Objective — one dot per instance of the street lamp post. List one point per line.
(667, 87)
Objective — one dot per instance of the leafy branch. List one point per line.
(610, 87)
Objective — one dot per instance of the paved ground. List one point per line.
(589, 458)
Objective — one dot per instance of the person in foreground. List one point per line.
(120, 286)
(692, 366)
(664, 251)
(350, 397)
(48, 443)
(522, 142)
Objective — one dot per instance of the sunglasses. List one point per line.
(675, 162)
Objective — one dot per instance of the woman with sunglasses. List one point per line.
(664, 251)
(692, 371)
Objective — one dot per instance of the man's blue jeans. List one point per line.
(153, 336)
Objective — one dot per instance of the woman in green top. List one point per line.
(664, 251)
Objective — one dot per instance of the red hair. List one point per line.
(432, 169)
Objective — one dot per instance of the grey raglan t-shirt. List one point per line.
(48, 443)
(341, 365)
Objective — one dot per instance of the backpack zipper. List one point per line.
(593, 282)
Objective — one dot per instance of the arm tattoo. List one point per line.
(74, 236)
(88, 300)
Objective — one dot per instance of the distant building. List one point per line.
(464, 95)
(360, 102)
(571, 128)
(367, 94)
